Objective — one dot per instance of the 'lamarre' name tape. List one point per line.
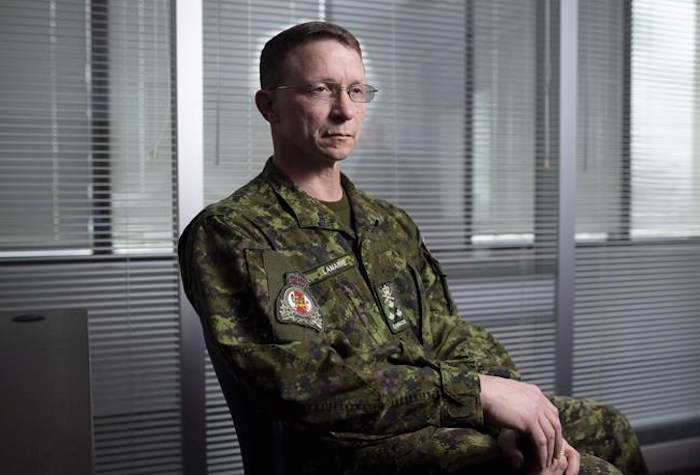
(330, 268)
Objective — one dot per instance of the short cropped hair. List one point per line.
(279, 46)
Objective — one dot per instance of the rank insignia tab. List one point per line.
(395, 317)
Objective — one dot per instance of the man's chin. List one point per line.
(336, 153)
(335, 156)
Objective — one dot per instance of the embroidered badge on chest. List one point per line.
(393, 313)
(296, 305)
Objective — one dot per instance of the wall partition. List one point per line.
(637, 272)
(87, 206)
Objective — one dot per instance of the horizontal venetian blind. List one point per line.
(458, 135)
(236, 137)
(87, 206)
(637, 307)
(236, 145)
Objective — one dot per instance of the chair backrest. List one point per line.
(260, 437)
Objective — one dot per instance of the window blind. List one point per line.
(87, 189)
(504, 278)
(636, 324)
(460, 135)
(236, 145)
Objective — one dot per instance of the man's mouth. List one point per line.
(337, 135)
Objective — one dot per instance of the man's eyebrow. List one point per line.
(316, 81)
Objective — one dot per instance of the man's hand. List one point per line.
(568, 462)
(573, 459)
(523, 407)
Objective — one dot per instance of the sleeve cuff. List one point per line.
(503, 372)
(461, 395)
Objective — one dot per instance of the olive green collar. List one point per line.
(310, 212)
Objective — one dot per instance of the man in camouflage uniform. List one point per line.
(329, 310)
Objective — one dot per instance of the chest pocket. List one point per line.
(284, 295)
(399, 291)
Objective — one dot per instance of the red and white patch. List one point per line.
(296, 305)
(298, 300)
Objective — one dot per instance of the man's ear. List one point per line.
(266, 106)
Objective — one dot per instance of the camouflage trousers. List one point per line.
(601, 434)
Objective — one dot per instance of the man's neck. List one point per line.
(321, 182)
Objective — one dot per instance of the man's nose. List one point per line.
(343, 108)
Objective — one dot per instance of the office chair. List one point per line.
(260, 437)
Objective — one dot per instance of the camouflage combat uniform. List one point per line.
(351, 336)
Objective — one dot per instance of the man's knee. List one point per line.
(588, 418)
(616, 425)
(592, 426)
(603, 431)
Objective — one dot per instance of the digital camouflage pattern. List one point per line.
(387, 382)
(601, 434)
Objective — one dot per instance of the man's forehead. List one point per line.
(321, 54)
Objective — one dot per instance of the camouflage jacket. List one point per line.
(340, 331)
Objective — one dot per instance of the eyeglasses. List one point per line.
(326, 91)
